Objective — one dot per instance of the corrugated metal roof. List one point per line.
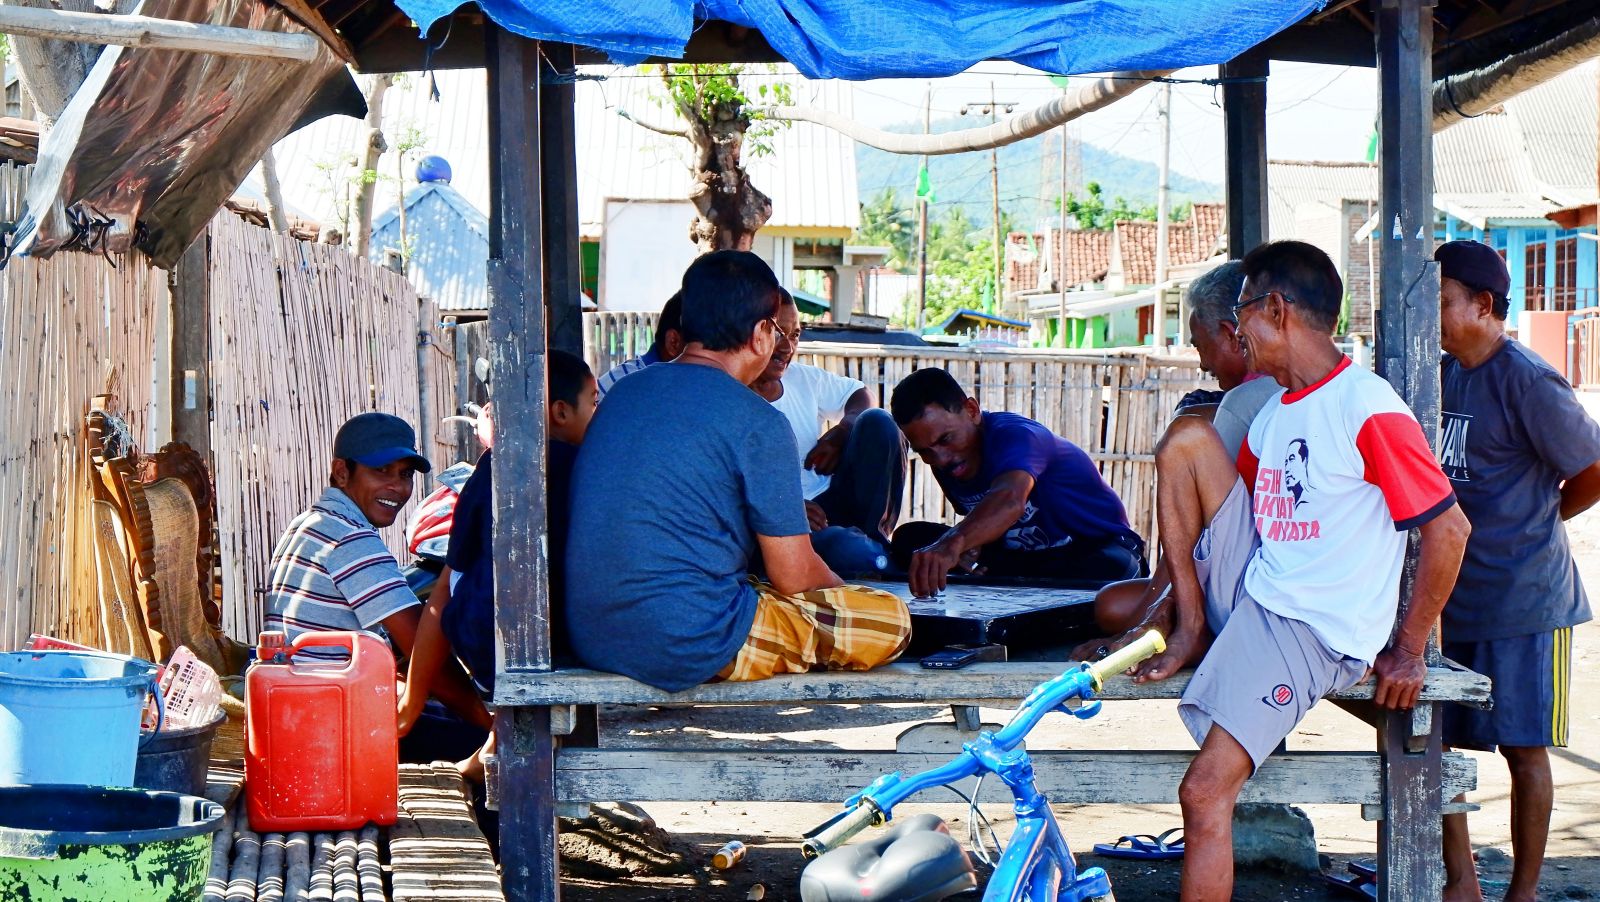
(449, 241)
(1558, 120)
(1486, 155)
(1295, 184)
(810, 175)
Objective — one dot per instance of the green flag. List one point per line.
(924, 185)
(1372, 147)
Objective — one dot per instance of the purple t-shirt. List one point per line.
(1070, 501)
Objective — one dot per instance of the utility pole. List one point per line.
(992, 110)
(922, 219)
(1162, 261)
(1059, 245)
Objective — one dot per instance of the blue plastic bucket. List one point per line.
(70, 716)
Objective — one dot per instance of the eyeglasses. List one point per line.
(1260, 297)
(780, 335)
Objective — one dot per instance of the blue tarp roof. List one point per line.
(860, 39)
(980, 318)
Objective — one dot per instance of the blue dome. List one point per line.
(433, 168)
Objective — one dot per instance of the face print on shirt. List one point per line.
(1284, 499)
(1295, 466)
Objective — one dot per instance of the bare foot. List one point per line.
(1464, 891)
(1183, 648)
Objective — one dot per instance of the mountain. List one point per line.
(1030, 173)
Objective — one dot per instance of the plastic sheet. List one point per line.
(859, 39)
(155, 141)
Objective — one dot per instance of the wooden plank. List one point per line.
(1244, 106)
(435, 849)
(159, 34)
(558, 186)
(1002, 683)
(1067, 777)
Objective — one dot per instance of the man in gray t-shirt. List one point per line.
(1126, 609)
(1522, 456)
(685, 478)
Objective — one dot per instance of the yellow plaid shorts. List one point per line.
(843, 628)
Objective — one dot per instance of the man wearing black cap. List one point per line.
(332, 571)
(1523, 456)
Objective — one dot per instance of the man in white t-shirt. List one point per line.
(852, 474)
(1294, 579)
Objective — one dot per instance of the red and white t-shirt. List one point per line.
(1338, 472)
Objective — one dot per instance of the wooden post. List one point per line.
(517, 361)
(1244, 111)
(1410, 839)
(191, 347)
(558, 142)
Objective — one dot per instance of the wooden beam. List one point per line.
(1067, 777)
(1410, 838)
(1001, 684)
(517, 363)
(558, 154)
(156, 34)
(1244, 113)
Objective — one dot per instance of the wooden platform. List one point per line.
(992, 685)
(434, 850)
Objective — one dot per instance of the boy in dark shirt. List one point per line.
(459, 616)
(1034, 504)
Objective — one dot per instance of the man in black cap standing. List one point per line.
(332, 571)
(1523, 456)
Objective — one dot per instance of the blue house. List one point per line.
(445, 245)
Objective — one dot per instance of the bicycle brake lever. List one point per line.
(1082, 710)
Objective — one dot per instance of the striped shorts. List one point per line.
(843, 628)
(1531, 676)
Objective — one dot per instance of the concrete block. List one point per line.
(1274, 836)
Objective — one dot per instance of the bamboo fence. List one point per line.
(1114, 406)
(303, 337)
(71, 327)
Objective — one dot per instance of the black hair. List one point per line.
(671, 319)
(1212, 296)
(1302, 273)
(1499, 304)
(917, 391)
(568, 375)
(726, 295)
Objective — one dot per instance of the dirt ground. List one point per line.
(1572, 867)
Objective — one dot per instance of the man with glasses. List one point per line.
(685, 478)
(853, 475)
(1296, 593)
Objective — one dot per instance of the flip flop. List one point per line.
(1367, 870)
(1144, 846)
(1353, 883)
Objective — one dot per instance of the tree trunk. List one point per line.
(51, 70)
(731, 209)
(368, 172)
(277, 219)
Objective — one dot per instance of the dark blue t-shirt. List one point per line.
(1070, 501)
(1512, 432)
(680, 470)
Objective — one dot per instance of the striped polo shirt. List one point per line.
(331, 571)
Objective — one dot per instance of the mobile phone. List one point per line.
(955, 657)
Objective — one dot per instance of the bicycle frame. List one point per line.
(1036, 860)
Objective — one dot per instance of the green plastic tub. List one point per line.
(63, 843)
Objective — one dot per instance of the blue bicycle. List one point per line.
(918, 861)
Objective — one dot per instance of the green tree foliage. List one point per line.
(886, 223)
(1093, 212)
(960, 253)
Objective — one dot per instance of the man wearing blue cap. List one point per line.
(331, 571)
(1522, 456)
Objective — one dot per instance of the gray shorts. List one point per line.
(1264, 671)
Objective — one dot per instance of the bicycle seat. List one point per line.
(915, 861)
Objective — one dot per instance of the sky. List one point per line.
(1313, 112)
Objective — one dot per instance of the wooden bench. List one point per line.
(1080, 777)
(433, 851)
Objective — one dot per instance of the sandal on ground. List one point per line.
(1144, 846)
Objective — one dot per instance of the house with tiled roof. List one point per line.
(1108, 276)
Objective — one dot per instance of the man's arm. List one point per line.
(1580, 493)
(449, 683)
(793, 567)
(429, 650)
(1400, 668)
(824, 456)
(987, 522)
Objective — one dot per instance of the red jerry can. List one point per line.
(321, 748)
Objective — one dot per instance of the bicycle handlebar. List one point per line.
(1151, 643)
(841, 830)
